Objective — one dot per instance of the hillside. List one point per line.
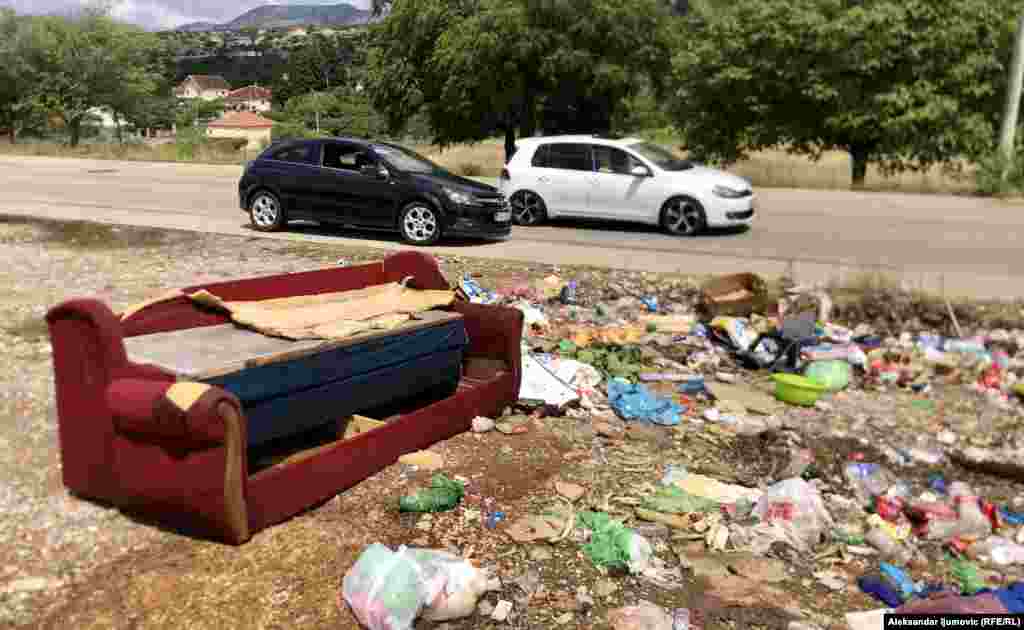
(282, 16)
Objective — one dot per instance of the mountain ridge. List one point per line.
(285, 15)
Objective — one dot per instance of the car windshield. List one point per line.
(661, 157)
(406, 160)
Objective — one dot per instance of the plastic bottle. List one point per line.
(867, 480)
(568, 293)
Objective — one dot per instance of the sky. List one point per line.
(165, 14)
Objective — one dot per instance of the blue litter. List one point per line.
(1012, 597)
(899, 579)
(938, 484)
(651, 302)
(693, 385)
(880, 587)
(635, 402)
(1011, 518)
(475, 292)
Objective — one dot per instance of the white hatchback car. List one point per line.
(621, 179)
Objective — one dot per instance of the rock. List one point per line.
(725, 377)
(766, 570)
(32, 584)
(605, 429)
(563, 600)
(484, 608)
(427, 460)
(831, 580)
(605, 587)
(570, 491)
(652, 531)
(736, 590)
(531, 528)
(583, 599)
(704, 564)
(539, 554)
(502, 610)
(482, 424)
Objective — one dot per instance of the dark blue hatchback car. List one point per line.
(376, 185)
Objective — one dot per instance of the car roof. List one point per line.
(589, 138)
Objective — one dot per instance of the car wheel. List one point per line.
(683, 216)
(420, 224)
(265, 212)
(528, 208)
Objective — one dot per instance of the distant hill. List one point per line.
(282, 16)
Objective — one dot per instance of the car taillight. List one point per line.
(504, 174)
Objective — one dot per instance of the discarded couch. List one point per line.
(184, 452)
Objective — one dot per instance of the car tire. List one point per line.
(528, 208)
(266, 212)
(420, 223)
(683, 216)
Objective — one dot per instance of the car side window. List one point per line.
(344, 156)
(297, 153)
(612, 160)
(540, 156)
(570, 157)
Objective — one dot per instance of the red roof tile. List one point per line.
(242, 120)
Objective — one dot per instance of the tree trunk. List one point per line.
(74, 132)
(528, 116)
(510, 142)
(859, 155)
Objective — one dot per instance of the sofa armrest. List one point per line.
(184, 415)
(495, 332)
(422, 267)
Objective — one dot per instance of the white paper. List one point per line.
(539, 383)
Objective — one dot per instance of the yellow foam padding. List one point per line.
(135, 308)
(185, 394)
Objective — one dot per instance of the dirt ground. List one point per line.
(69, 563)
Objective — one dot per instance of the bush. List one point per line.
(989, 178)
(227, 144)
(470, 169)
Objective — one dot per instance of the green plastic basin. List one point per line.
(797, 390)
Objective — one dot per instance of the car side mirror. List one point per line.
(374, 170)
(640, 171)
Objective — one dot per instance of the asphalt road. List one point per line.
(962, 245)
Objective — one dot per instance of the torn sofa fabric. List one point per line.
(330, 315)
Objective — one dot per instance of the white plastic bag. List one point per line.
(795, 506)
(388, 590)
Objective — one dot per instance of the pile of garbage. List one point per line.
(731, 360)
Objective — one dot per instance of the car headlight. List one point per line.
(728, 193)
(459, 197)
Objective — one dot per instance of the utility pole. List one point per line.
(1012, 110)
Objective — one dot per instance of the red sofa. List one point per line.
(187, 466)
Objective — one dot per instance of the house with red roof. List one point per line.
(249, 125)
(251, 98)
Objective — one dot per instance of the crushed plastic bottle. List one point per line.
(966, 574)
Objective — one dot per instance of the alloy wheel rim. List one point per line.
(264, 211)
(526, 206)
(682, 217)
(420, 223)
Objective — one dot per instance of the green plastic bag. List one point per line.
(966, 574)
(674, 500)
(612, 544)
(833, 374)
(442, 495)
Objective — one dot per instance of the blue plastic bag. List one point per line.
(633, 401)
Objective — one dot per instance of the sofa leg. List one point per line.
(234, 483)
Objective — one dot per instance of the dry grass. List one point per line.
(138, 152)
(773, 169)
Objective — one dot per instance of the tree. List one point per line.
(20, 105)
(480, 66)
(320, 64)
(88, 61)
(904, 84)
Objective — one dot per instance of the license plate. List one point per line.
(502, 216)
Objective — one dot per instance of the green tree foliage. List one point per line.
(20, 104)
(321, 64)
(478, 66)
(341, 112)
(90, 60)
(901, 83)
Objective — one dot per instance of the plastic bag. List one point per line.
(612, 544)
(795, 505)
(868, 481)
(388, 590)
(740, 333)
(673, 500)
(635, 402)
(443, 494)
(643, 616)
